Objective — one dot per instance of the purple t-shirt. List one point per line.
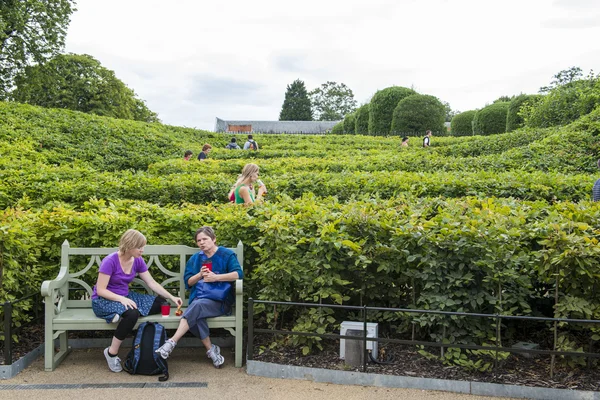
(119, 281)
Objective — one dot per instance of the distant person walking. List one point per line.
(250, 144)
(187, 155)
(426, 139)
(404, 141)
(596, 188)
(233, 145)
(204, 153)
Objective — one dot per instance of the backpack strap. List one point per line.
(136, 347)
(160, 336)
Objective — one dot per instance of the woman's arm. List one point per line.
(228, 277)
(157, 288)
(102, 291)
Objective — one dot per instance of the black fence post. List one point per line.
(7, 333)
(365, 352)
(250, 349)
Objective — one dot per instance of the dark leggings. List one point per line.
(130, 317)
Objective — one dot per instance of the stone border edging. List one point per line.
(9, 371)
(271, 370)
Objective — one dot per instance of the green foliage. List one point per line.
(564, 103)
(338, 129)
(462, 124)
(418, 113)
(362, 120)
(296, 106)
(491, 119)
(382, 106)
(350, 123)
(79, 83)
(332, 102)
(31, 31)
(514, 118)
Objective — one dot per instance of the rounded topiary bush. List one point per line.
(418, 113)
(338, 129)
(382, 108)
(361, 125)
(491, 119)
(350, 123)
(462, 124)
(513, 119)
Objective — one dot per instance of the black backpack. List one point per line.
(142, 358)
(253, 145)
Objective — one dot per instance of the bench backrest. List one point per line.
(152, 256)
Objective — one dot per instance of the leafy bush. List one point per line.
(564, 104)
(382, 106)
(350, 123)
(462, 124)
(418, 113)
(362, 120)
(514, 118)
(338, 129)
(491, 119)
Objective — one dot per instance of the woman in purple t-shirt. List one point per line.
(111, 298)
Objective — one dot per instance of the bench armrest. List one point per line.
(49, 287)
(239, 286)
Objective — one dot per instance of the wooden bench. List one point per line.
(65, 311)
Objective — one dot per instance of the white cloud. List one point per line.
(193, 61)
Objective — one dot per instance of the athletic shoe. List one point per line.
(166, 348)
(116, 318)
(114, 363)
(215, 355)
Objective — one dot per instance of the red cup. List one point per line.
(165, 310)
(207, 264)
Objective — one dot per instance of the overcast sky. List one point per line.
(194, 60)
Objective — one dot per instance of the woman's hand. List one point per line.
(262, 190)
(210, 276)
(177, 301)
(128, 303)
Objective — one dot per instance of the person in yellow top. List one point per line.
(243, 189)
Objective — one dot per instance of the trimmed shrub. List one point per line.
(490, 119)
(462, 124)
(418, 113)
(382, 108)
(564, 104)
(350, 123)
(338, 129)
(514, 119)
(362, 120)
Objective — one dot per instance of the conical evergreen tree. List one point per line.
(296, 106)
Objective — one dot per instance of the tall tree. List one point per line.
(332, 101)
(296, 106)
(80, 83)
(31, 31)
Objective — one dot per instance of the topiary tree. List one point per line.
(491, 119)
(418, 113)
(382, 108)
(361, 125)
(514, 119)
(350, 123)
(296, 106)
(338, 129)
(462, 124)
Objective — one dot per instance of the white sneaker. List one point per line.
(215, 355)
(114, 363)
(166, 348)
(116, 318)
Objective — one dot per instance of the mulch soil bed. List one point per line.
(402, 360)
(406, 361)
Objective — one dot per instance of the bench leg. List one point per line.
(52, 359)
(238, 347)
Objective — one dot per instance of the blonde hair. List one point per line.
(244, 177)
(131, 239)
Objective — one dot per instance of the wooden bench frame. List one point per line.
(63, 314)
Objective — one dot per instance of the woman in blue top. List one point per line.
(225, 268)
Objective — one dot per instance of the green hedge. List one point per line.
(350, 123)
(338, 129)
(382, 106)
(418, 113)
(462, 124)
(514, 119)
(491, 119)
(362, 120)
